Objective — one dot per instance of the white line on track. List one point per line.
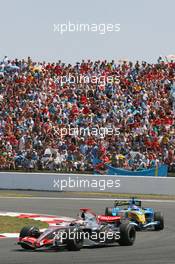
(84, 199)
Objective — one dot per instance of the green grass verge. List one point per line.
(123, 195)
(86, 194)
(13, 194)
(9, 224)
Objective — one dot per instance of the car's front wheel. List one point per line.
(159, 217)
(28, 231)
(31, 231)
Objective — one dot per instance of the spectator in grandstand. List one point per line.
(51, 120)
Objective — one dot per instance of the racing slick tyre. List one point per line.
(75, 240)
(108, 211)
(31, 231)
(159, 217)
(127, 234)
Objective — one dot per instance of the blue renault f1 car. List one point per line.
(142, 218)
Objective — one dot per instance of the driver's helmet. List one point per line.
(134, 207)
(87, 216)
(83, 216)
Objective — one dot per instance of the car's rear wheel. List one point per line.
(159, 217)
(75, 240)
(127, 234)
(108, 211)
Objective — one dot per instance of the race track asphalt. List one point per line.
(149, 248)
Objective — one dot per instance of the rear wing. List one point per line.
(108, 219)
(120, 203)
(128, 202)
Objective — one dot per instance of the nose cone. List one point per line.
(141, 218)
(137, 216)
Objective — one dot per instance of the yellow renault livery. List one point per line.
(142, 218)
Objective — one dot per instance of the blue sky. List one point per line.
(147, 29)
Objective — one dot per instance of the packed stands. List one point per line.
(60, 116)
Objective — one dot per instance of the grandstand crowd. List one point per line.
(39, 105)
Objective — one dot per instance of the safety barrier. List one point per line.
(87, 183)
